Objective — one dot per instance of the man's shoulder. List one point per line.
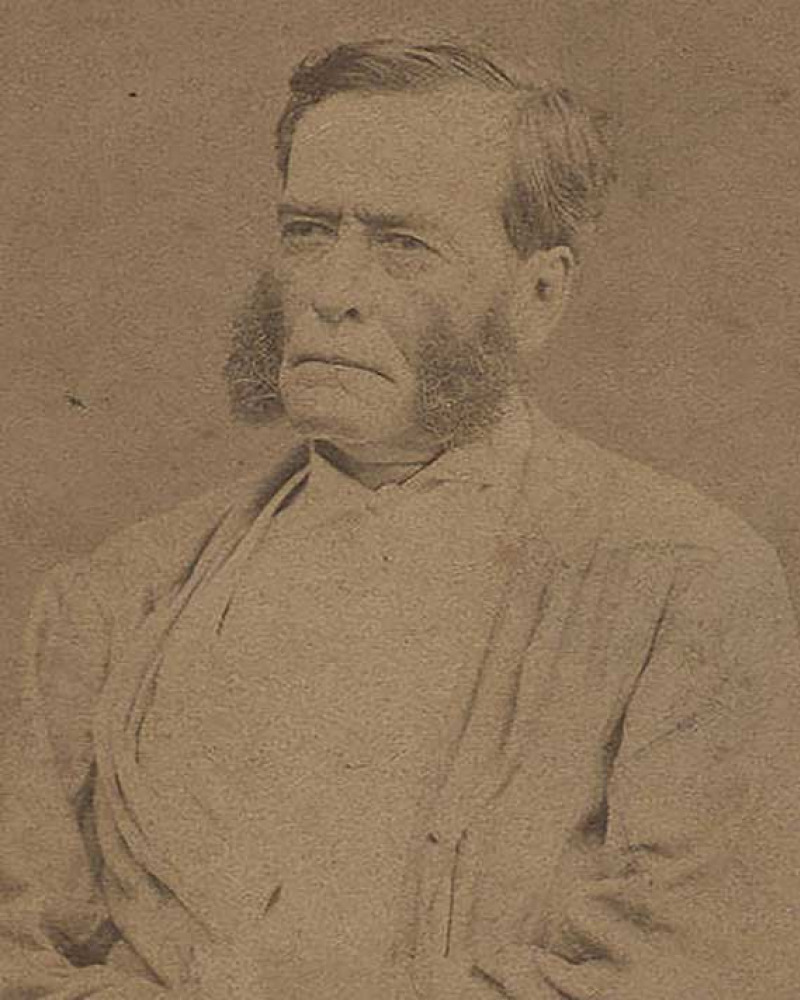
(151, 554)
(580, 493)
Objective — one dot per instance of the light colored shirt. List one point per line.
(304, 695)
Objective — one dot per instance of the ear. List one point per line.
(542, 288)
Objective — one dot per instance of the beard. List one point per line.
(253, 368)
(462, 383)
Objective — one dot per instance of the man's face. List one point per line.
(392, 239)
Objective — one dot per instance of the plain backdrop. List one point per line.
(137, 198)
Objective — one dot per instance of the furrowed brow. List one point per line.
(394, 220)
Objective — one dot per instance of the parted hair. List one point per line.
(561, 165)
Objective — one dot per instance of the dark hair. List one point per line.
(561, 165)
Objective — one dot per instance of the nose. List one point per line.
(339, 291)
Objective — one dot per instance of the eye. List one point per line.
(300, 234)
(403, 242)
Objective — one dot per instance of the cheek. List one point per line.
(295, 293)
(299, 281)
(409, 319)
(454, 312)
(457, 296)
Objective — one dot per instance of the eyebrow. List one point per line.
(395, 220)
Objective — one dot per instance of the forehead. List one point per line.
(434, 153)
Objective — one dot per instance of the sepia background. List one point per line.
(138, 195)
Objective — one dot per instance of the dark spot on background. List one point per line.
(132, 93)
(779, 95)
(75, 401)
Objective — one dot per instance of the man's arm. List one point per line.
(693, 888)
(54, 928)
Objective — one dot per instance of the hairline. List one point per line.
(509, 99)
(558, 167)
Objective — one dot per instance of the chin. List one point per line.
(318, 423)
(325, 410)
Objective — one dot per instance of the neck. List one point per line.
(370, 472)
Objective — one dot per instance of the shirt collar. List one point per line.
(493, 460)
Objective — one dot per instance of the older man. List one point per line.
(446, 703)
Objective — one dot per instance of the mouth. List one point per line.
(337, 361)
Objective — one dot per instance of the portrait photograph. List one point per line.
(400, 500)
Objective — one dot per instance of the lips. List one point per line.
(336, 361)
